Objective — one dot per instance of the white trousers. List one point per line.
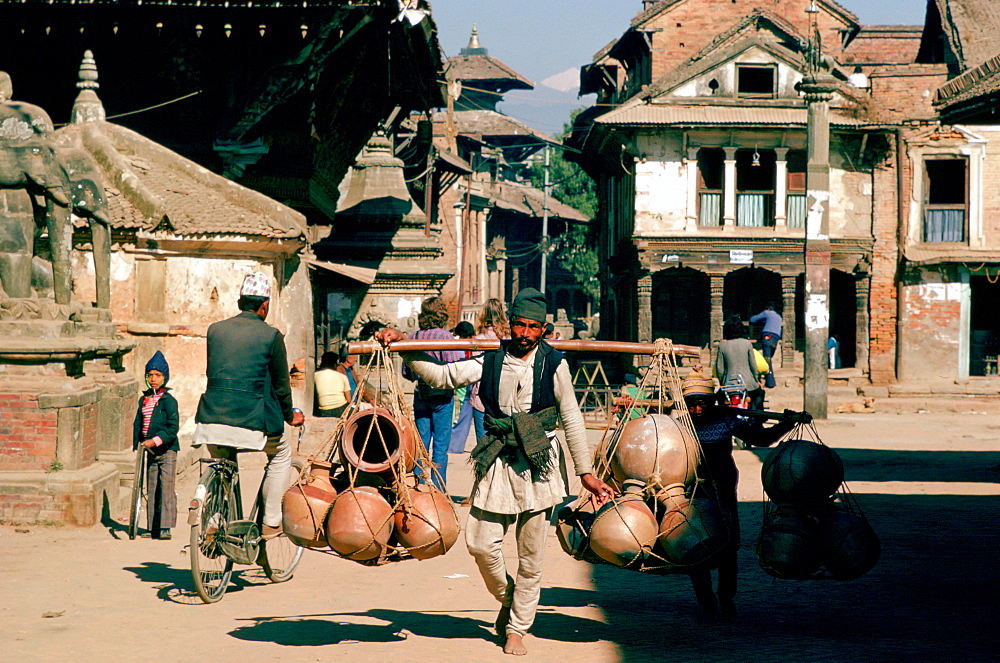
(279, 461)
(484, 534)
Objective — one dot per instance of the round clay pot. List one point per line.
(801, 472)
(788, 547)
(655, 449)
(359, 524)
(693, 531)
(573, 523)
(624, 531)
(304, 507)
(850, 546)
(375, 441)
(428, 525)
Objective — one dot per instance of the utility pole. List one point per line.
(545, 221)
(817, 89)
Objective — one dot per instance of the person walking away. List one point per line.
(770, 334)
(432, 406)
(528, 393)
(716, 426)
(333, 389)
(462, 419)
(155, 429)
(248, 399)
(735, 360)
(491, 325)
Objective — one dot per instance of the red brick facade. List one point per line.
(27, 433)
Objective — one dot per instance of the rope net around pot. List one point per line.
(813, 527)
(360, 496)
(659, 523)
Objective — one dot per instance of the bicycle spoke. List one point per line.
(210, 568)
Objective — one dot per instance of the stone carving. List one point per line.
(41, 183)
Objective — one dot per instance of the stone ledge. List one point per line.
(77, 496)
(74, 399)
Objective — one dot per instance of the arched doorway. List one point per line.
(749, 289)
(681, 306)
(844, 316)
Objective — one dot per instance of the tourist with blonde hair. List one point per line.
(492, 325)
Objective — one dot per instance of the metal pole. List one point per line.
(545, 221)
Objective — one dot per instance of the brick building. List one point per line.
(701, 174)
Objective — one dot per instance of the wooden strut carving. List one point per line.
(480, 345)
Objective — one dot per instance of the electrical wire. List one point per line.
(143, 110)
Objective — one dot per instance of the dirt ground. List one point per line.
(927, 481)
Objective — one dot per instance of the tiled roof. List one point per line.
(484, 68)
(977, 82)
(151, 187)
(664, 5)
(703, 114)
(478, 123)
(529, 201)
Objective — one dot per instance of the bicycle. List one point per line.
(138, 491)
(221, 537)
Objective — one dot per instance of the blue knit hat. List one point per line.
(159, 363)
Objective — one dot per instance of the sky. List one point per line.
(544, 38)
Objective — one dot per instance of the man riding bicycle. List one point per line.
(248, 398)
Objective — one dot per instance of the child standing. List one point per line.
(155, 428)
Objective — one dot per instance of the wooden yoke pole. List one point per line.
(480, 345)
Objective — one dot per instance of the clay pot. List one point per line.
(375, 441)
(695, 530)
(624, 531)
(850, 546)
(304, 506)
(427, 526)
(801, 472)
(359, 524)
(655, 449)
(789, 545)
(573, 523)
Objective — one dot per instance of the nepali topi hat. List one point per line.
(256, 284)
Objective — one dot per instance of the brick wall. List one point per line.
(885, 253)
(930, 333)
(686, 29)
(907, 93)
(27, 433)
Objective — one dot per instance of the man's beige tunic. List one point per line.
(507, 487)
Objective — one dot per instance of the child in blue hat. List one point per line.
(155, 429)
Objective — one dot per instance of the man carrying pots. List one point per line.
(527, 393)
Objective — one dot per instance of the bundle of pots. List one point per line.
(654, 524)
(812, 528)
(370, 508)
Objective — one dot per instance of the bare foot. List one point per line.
(503, 618)
(515, 645)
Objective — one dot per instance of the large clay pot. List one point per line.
(573, 523)
(375, 441)
(624, 531)
(426, 525)
(789, 545)
(850, 546)
(359, 524)
(801, 472)
(695, 530)
(304, 506)
(655, 449)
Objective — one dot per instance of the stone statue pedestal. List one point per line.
(66, 410)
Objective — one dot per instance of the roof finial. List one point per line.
(88, 106)
(474, 47)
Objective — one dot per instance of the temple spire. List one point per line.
(474, 47)
(88, 106)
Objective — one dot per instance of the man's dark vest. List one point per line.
(543, 393)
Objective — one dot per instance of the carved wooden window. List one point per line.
(756, 81)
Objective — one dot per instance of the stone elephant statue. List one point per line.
(38, 175)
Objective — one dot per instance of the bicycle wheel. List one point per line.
(138, 488)
(279, 556)
(210, 568)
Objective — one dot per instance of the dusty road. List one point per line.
(928, 482)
